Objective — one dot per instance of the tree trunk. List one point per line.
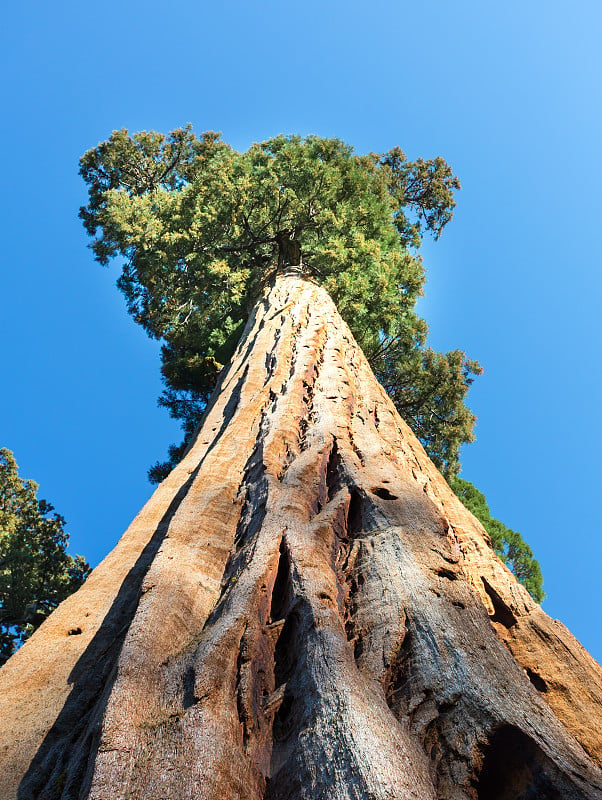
(289, 250)
(302, 610)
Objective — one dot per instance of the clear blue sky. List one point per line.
(508, 93)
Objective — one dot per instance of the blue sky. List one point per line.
(508, 93)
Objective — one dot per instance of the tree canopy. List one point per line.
(201, 227)
(36, 572)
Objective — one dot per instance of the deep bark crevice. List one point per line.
(384, 493)
(188, 683)
(348, 566)
(302, 440)
(241, 692)
(308, 400)
(285, 655)
(448, 574)
(537, 680)
(355, 515)
(289, 713)
(282, 590)
(271, 362)
(502, 611)
(515, 768)
(329, 479)
(355, 581)
(333, 472)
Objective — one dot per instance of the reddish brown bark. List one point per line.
(302, 610)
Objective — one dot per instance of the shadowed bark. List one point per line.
(302, 610)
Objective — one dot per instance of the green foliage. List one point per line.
(36, 573)
(508, 544)
(201, 227)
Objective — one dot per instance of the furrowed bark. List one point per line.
(302, 610)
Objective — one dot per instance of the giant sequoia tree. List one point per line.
(304, 609)
(201, 228)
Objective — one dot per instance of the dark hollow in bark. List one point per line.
(516, 769)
